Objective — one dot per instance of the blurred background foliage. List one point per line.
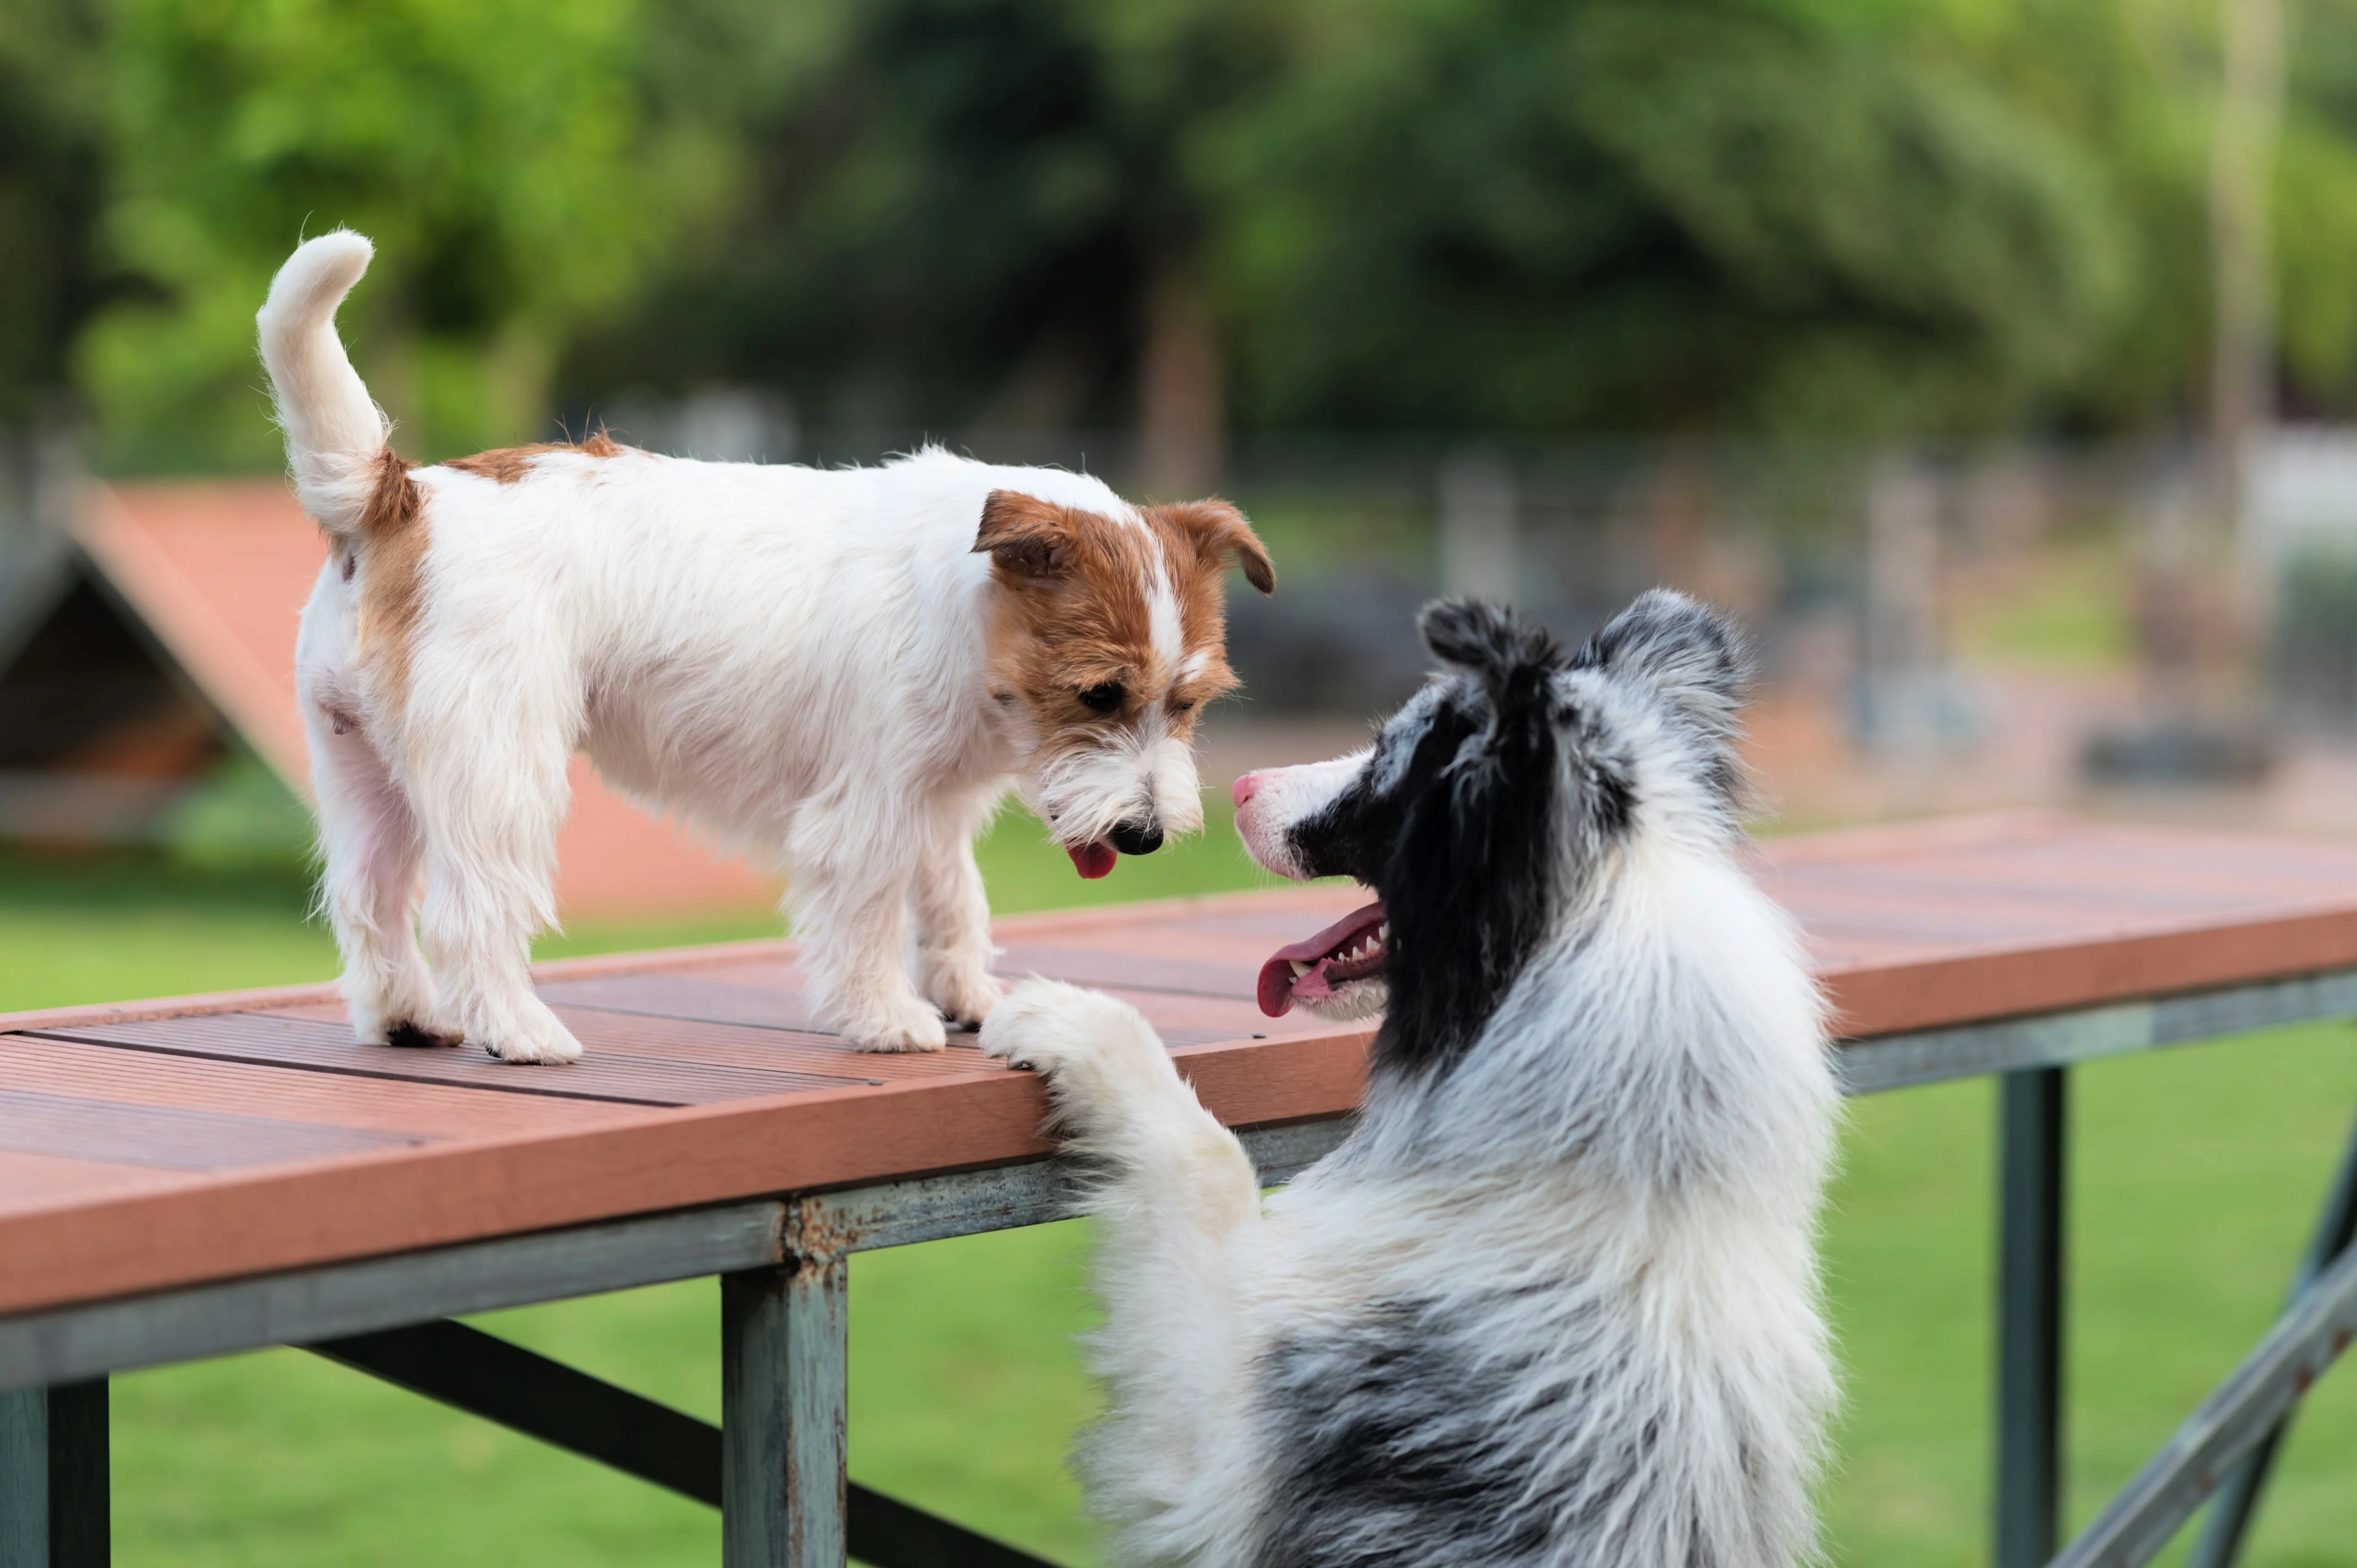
(1875, 218)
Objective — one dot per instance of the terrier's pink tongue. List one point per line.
(1092, 859)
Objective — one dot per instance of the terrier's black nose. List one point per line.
(1131, 838)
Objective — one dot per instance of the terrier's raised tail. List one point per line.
(335, 433)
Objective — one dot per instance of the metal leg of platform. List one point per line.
(524, 1392)
(53, 1477)
(2030, 1176)
(785, 1347)
(2238, 1499)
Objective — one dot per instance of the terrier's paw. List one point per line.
(396, 1006)
(966, 995)
(900, 1025)
(419, 1037)
(533, 1037)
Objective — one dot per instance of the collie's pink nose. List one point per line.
(1243, 790)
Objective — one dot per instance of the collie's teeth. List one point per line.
(1383, 932)
(1299, 968)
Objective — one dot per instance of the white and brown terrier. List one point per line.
(841, 673)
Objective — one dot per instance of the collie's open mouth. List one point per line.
(1092, 859)
(1351, 948)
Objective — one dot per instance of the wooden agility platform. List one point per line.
(192, 1176)
(151, 1145)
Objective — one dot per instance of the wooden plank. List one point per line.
(171, 1137)
(148, 1077)
(654, 1040)
(1893, 997)
(238, 1223)
(692, 996)
(47, 1181)
(1925, 928)
(314, 1046)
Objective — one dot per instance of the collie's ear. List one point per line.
(1471, 885)
(1025, 537)
(1511, 657)
(1691, 654)
(1220, 533)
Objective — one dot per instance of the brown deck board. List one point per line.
(173, 1137)
(320, 1046)
(51, 1181)
(147, 1144)
(45, 1065)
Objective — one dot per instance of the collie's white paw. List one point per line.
(1040, 1024)
(1087, 1042)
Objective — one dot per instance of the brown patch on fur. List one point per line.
(1213, 531)
(1198, 538)
(506, 465)
(393, 537)
(1071, 613)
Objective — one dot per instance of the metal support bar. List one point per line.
(2238, 1499)
(784, 1391)
(69, 1343)
(2055, 1039)
(2029, 1317)
(499, 1381)
(2140, 1521)
(53, 1478)
(525, 1391)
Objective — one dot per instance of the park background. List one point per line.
(1995, 359)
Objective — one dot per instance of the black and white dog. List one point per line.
(1555, 1300)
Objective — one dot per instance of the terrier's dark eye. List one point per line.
(1101, 699)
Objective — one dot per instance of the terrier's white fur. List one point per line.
(794, 661)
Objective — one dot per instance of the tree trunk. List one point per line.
(1182, 394)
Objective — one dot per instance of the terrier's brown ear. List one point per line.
(1220, 531)
(1024, 536)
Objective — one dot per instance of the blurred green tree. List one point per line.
(521, 167)
(1861, 217)
(1621, 214)
(1443, 213)
(51, 176)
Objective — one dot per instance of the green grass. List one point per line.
(2194, 1172)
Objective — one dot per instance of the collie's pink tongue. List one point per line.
(1092, 859)
(1281, 986)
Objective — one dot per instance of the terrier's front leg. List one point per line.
(954, 950)
(858, 935)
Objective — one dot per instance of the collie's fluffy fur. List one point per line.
(1554, 1302)
(839, 672)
